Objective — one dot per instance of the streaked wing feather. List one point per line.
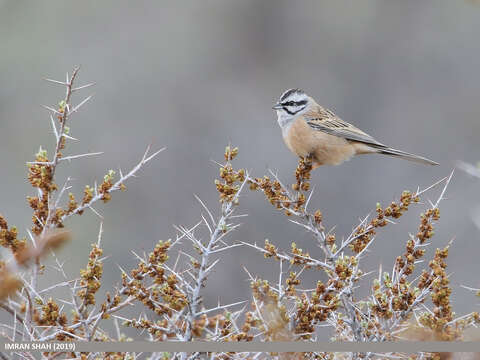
(327, 122)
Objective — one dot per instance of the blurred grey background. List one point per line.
(196, 75)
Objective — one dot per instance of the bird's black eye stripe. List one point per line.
(294, 103)
(288, 111)
(299, 106)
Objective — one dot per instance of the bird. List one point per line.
(310, 130)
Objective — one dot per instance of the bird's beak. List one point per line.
(277, 106)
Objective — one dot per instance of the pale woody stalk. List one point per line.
(218, 230)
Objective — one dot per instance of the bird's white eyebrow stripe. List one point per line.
(288, 93)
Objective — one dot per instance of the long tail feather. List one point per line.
(407, 156)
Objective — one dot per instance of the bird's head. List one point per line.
(293, 102)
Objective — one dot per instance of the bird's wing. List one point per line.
(325, 120)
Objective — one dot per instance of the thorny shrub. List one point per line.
(168, 294)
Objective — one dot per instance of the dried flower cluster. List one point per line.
(231, 180)
(279, 196)
(8, 237)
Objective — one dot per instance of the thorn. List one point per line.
(205, 207)
(56, 81)
(100, 232)
(54, 127)
(84, 86)
(75, 109)
(146, 153)
(72, 157)
(52, 110)
(441, 197)
(95, 212)
(69, 137)
(153, 155)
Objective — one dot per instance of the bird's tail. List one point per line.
(407, 156)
